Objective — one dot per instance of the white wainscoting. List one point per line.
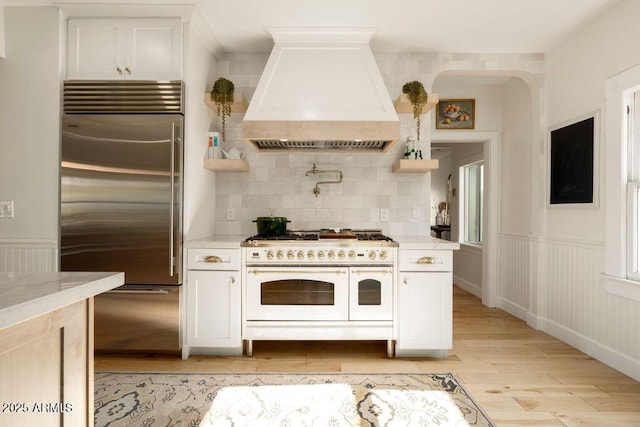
(28, 256)
(573, 302)
(514, 275)
(576, 308)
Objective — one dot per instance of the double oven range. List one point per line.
(319, 285)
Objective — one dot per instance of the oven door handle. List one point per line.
(373, 271)
(256, 272)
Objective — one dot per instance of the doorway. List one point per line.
(487, 144)
(457, 201)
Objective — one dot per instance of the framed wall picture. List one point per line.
(573, 148)
(456, 114)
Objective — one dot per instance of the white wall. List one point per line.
(1, 31)
(573, 303)
(199, 195)
(576, 72)
(519, 200)
(30, 122)
(30, 91)
(516, 165)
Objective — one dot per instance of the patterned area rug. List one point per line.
(184, 399)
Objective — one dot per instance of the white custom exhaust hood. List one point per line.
(321, 90)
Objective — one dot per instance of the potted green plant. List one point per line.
(418, 97)
(222, 95)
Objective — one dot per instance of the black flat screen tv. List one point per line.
(572, 156)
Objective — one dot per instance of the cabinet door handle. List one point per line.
(427, 260)
(232, 280)
(128, 70)
(212, 259)
(119, 70)
(405, 281)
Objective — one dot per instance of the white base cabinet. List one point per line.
(129, 49)
(425, 303)
(213, 302)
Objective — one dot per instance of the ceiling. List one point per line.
(457, 26)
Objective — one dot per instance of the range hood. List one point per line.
(321, 90)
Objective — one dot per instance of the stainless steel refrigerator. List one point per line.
(121, 205)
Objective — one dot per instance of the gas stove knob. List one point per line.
(311, 255)
(321, 255)
(280, 255)
(352, 255)
(372, 255)
(383, 255)
(300, 255)
(290, 255)
(269, 254)
(341, 255)
(331, 255)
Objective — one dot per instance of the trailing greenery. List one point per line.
(222, 95)
(418, 96)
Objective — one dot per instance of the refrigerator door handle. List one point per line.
(173, 199)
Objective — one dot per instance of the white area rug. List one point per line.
(185, 399)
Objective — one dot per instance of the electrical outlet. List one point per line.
(384, 215)
(6, 208)
(415, 212)
(231, 214)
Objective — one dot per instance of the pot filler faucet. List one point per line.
(315, 170)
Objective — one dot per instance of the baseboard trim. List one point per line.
(512, 308)
(607, 355)
(470, 287)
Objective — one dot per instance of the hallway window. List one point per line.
(471, 203)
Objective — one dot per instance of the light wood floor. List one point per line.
(520, 376)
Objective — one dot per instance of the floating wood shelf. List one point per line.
(240, 103)
(403, 105)
(415, 166)
(226, 165)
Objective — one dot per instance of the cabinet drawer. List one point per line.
(425, 260)
(213, 259)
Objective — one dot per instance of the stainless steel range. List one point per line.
(330, 284)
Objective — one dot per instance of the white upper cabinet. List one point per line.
(133, 49)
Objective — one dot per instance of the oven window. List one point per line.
(369, 292)
(297, 292)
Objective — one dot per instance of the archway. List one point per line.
(492, 140)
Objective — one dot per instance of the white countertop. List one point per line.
(27, 295)
(425, 242)
(220, 241)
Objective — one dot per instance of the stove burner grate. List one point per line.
(363, 235)
(373, 236)
(285, 237)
